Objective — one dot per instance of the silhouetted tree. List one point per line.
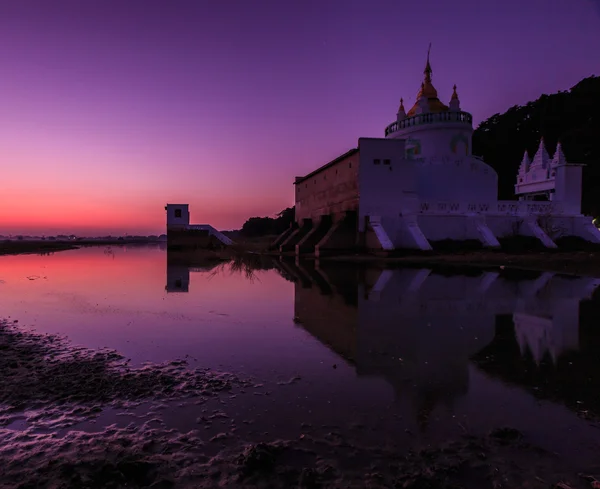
(263, 226)
(572, 116)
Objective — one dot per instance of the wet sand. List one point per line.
(48, 387)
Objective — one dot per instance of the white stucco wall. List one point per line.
(447, 171)
(438, 139)
(385, 189)
(172, 220)
(568, 187)
(437, 228)
(466, 179)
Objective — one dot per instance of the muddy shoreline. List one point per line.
(53, 385)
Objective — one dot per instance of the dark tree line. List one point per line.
(572, 116)
(264, 226)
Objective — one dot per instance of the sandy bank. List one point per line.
(45, 378)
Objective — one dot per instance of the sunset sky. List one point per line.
(111, 108)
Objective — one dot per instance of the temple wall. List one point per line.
(333, 190)
(460, 179)
(437, 228)
(449, 139)
(555, 226)
(386, 179)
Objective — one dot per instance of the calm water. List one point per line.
(410, 355)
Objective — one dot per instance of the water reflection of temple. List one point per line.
(181, 263)
(419, 330)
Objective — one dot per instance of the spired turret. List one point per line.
(431, 128)
(439, 137)
(554, 179)
(454, 102)
(541, 158)
(524, 166)
(427, 96)
(537, 177)
(559, 157)
(401, 112)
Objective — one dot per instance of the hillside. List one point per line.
(572, 116)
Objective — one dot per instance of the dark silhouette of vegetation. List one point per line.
(571, 117)
(263, 226)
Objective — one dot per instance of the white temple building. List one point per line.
(421, 183)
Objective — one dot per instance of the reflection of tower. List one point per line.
(178, 278)
(417, 330)
(179, 266)
(538, 345)
(420, 330)
(398, 325)
(547, 323)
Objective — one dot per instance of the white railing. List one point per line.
(429, 118)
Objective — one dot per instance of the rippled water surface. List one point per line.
(399, 358)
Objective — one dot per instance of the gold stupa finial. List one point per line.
(454, 94)
(428, 92)
(428, 69)
(401, 109)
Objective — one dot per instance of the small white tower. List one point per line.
(454, 102)
(178, 216)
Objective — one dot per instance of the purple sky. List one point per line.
(109, 109)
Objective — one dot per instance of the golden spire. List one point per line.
(401, 105)
(428, 69)
(454, 94)
(427, 87)
(428, 91)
